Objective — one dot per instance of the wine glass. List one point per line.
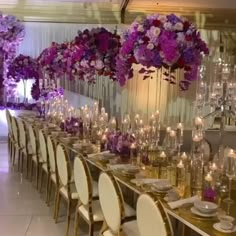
(230, 170)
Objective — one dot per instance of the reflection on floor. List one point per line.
(23, 211)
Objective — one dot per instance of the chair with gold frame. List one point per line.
(67, 187)
(45, 170)
(10, 137)
(151, 217)
(115, 211)
(54, 178)
(16, 145)
(25, 147)
(88, 205)
(36, 160)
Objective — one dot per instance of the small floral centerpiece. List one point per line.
(159, 41)
(94, 54)
(72, 125)
(121, 143)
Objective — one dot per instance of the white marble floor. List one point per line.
(23, 211)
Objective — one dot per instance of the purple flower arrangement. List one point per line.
(23, 68)
(120, 143)
(94, 53)
(11, 34)
(53, 60)
(159, 41)
(72, 125)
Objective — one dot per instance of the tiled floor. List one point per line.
(23, 211)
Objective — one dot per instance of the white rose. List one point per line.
(167, 26)
(140, 28)
(99, 65)
(150, 46)
(178, 26)
(162, 18)
(92, 63)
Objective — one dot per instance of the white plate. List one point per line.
(217, 227)
(144, 181)
(196, 212)
(160, 191)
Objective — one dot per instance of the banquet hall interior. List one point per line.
(117, 117)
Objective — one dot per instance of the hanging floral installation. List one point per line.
(159, 41)
(94, 54)
(11, 34)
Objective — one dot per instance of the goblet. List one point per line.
(230, 171)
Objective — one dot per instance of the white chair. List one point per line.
(151, 217)
(36, 160)
(24, 146)
(16, 142)
(67, 187)
(10, 134)
(114, 209)
(88, 207)
(45, 161)
(54, 178)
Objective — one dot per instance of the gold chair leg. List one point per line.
(19, 157)
(37, 175)
(31, 169)
(55, 202)
(14, 155)
(57, 206)
(22, 162)
(41, 180)
(91, 229)
(76, 226)
(69, 207)
(27, 165)
(49, 186)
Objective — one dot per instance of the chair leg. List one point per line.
(57, 206)
(76, 226)
(91, 229)
(49, 185)
(69, 207)
(41, 179)
(37, 175)
(31, 169)
(27, 165)
(13, 155)
(22, 162)
(19, 159)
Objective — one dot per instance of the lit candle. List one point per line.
(214, 166)
(163, 154)
(196, 138)
(172, 133)
(104, 138)
(180, 164)
(179, 126)
(231, 153)
(168, 129)
(198, 121)
(208, 177)
(184, 156)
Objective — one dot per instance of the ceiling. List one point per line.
(206, 13)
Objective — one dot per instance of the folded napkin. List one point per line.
(122, 166)
(179, 203)
(146, 181)
(96, 154)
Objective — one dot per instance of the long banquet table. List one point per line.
(203, 226)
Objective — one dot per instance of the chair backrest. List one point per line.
(51, 153)
(43, 146)
(83, 180)
(151, 217)
(111, 201)
(32, 137)
(22, 133)
(63, 165)
(8, 116)
(15, 130)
